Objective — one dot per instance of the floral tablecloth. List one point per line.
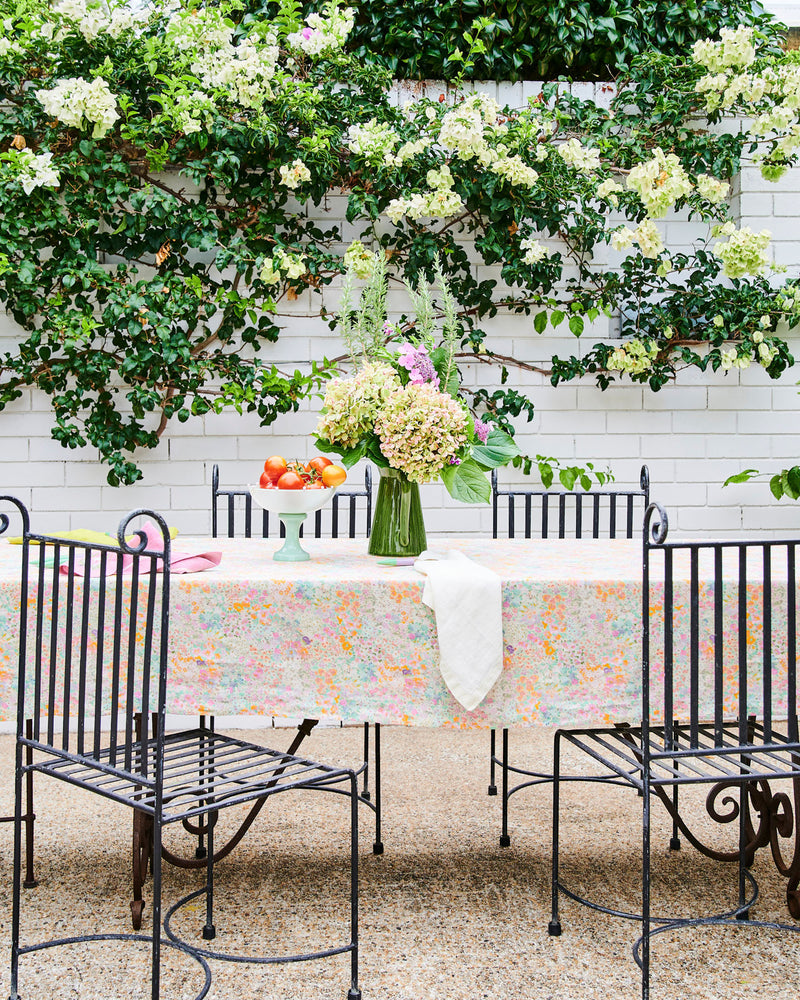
(341, 637)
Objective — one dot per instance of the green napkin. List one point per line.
(87, 535)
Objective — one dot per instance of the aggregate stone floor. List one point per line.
(446, 914)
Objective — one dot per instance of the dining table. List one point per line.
(345, 637)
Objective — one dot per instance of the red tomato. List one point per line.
(274, 467)
(265, 482)
(290, 481)
(317, 484)
(318, 464)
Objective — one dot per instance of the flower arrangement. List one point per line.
(402, 407)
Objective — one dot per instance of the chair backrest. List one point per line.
(232, 513)
(93, 637)
(719, 620)
(570, 514)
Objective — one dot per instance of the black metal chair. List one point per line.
(557, 514)
(738, 661)
(93, 662)
(236, 507)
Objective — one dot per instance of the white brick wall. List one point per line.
(692, 434)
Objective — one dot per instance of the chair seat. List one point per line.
(693, 759)
(203, 770)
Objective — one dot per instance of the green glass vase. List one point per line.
(397, 527)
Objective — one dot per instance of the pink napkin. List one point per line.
(180, 562)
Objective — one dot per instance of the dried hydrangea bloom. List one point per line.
(352, 405)
(421, 430)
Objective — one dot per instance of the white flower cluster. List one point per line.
(282, 265)
(634, 357)
(535, 251)
(33, 170)
(646, 236)
(94, 18)
(711, 189)
(734, 50)
(79, 103)
(359, 260)
(579, 157)
(199, 29)
(407, 152)
(743, 252)
(788, 299)
(441, 202)
(732, 359)
(7, 46)
(466, 129)
(192, 112)
(659, 182)
(608, 191)
(294, 174)
(373, 141)
(244, 71)
(513, 168)
(324, 35)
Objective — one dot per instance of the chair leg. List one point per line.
(155, 976)
(30, 816)
(505, 840)
(17, 874)
(365, 792)
(354, 993)
(377, 846)
(554, 927)
(209, 930)
(492, 751)
(646, 889)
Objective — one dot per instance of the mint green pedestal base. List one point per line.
(291, 550)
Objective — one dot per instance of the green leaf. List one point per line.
(556, 317)
(540, 322)
(499, 449)
(467, 482)
(576, 325)
(349, 455)
(776, 486)
(741, 477)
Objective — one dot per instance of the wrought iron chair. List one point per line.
(739, 662)
(557, 514)
(93, 659)
(236, 507)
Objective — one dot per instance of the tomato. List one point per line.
(290, 481)
(274, 467)
(333, 475)
(318, 464)
(265, 482)
(317, 484)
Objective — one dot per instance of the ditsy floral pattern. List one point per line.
(342, 637)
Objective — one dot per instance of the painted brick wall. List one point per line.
(692, 435)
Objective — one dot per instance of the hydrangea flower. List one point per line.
(421, 430)
(353, 405)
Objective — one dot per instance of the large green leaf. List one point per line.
(467, 482)
(499, 449)
(349, 456)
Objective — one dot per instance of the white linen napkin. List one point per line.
(467, 600)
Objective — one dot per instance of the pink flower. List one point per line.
(307, 33)
(481, 431)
